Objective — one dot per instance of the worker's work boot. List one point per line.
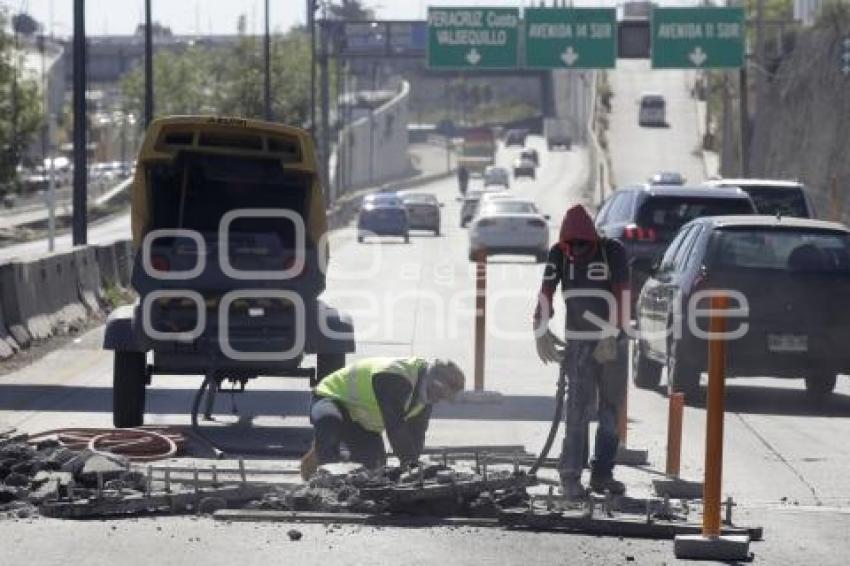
(600, 483)
(309, 463)
(572, 488)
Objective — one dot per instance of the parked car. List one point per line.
(646, 218)
(495, 175)
(515, 137)
(667, 178)
(532, 155)
(785, 198)
(524, 167)
(509, 226)
(383, 214)
(795, 277)
(423, 211)
(652, 110)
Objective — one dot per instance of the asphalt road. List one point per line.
(785, 460)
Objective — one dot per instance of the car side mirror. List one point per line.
(655, 265)
(547, 217)
(458, 199)
(442, 204)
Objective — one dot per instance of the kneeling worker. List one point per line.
(354, 405)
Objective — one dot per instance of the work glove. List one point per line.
(550, 348)
(607, 349)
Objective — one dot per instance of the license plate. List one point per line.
(788, 342)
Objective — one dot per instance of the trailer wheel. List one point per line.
(128, 389)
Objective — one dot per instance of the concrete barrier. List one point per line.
(124, 259)
(57, 291)
(25, 319)
(89, 286)
(8, 345)
(107, 263)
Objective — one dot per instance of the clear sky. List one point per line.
(219, 16)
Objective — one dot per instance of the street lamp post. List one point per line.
(267, 83)
(80, 200)
(149, 102)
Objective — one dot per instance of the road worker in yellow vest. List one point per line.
(356, 404)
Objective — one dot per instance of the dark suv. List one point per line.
(646, 218)
(793, 280)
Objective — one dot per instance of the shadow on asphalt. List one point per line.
(759, 400)
(256, 402)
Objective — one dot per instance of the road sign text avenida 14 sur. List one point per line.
(473, 38)
(697, 38)
(570, 38)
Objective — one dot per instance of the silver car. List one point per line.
(423, 211)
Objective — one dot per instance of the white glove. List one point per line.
(550, 348)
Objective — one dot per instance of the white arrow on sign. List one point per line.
(473, 57)
(698, 56)
(569, 56)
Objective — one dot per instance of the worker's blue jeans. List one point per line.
(585, 378)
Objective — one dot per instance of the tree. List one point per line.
(350, 10)
(228, 80)
(20, 106)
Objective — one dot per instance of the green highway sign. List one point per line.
(698, 38)
(473, 38)
(570, 38)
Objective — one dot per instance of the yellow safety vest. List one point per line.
(352, 387)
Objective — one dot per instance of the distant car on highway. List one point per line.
(653, 110)
(470, 202)
(515, 137)
(509, 226)
(532, 155)
(383, 214)
(795, 276)
(667, 178)
(423, 211)
(646, 218)
(495, 175)
(524, 167)
(785, 198)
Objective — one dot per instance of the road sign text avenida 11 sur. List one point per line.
(570, 38)
(697, 38)
(473, 38)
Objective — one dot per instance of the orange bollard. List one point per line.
(714, 419)
(674, 434)
(480, 316)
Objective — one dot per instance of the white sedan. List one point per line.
(509, 226)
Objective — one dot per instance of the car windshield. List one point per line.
(782, 250)
(383, 200)
(666, 214)
(776, 200)
(509, 207)
(419, 199)
(652, 102)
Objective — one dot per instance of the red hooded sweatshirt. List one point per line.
(576, 225)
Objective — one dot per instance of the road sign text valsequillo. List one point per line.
(472, 27)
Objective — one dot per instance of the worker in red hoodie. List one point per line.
(594, 278)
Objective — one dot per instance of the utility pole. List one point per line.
(311, 25)
(325, 139)
(745, 122)
(80, 200)
(760, 84)
(148, 64)
(267, 84)
(47, 146)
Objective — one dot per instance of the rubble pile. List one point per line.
(33, 474)
(428, 489)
